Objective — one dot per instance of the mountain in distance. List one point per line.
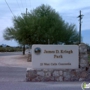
(3, 45)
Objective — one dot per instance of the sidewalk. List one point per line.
(15, 61)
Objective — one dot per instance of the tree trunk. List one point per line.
(24, 50)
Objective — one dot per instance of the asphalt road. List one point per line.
(13, 78)
(12, 74)
(40, 86)
(10, 53)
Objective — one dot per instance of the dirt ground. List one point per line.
(15, 61)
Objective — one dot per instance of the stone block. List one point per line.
(61, 72)
(28, 69)
(67, 75)
(33, 80)
(64, 73)
(81, 79)
(84, 74)
(51, 70)
(48, 74)
(73, 73)
(67, 79)
(88, 77)
(40, 73)
(38, 78)
(60, 78)
(52, 78)
(45, 70)
(83, 61)
(78, 70)
(56, 73)
(83, 65)
(31, 74)
(46, 79)
(29, 57)
(83, 69)
(83, 48)
(74, 78)
(89, 70)
(84, 56)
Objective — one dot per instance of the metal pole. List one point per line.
(80, 18)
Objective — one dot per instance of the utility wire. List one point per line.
(30, 4)
(18, 5)
(21, 4)
(26, 3)
(9, 8)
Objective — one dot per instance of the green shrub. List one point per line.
(10, 49)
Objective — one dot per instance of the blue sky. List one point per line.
(68, 9)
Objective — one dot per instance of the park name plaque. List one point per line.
(55, 56)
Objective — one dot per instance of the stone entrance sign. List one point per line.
(55, 56)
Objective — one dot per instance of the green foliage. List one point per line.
(39, 25)
(10, 49)
(89, 57)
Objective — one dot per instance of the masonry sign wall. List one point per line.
(55, 56)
